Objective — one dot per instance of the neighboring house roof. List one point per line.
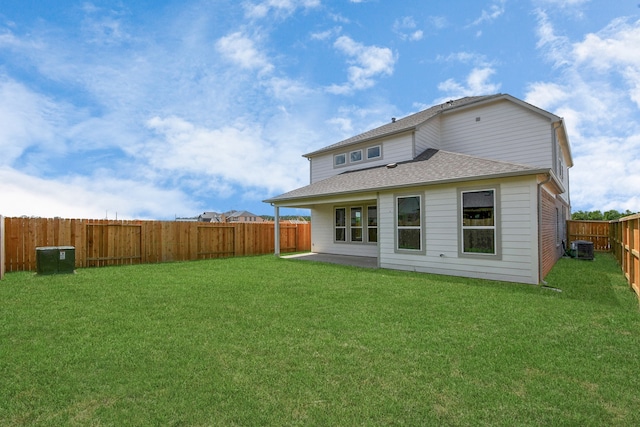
(237, 214)
(430, 167)
(413, 121)
(210, 217)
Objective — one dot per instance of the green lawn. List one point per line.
(262, 341)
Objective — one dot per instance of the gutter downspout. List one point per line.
(540, 280)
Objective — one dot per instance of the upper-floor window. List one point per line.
(560, 163)
(374, 152)
(355, 156)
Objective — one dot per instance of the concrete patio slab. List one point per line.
(356, 261)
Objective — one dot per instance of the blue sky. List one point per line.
(156, 109)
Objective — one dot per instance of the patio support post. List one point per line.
(2, 255)
(277, 231)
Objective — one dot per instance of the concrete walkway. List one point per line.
(356, 261)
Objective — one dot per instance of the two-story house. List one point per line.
(476, 187)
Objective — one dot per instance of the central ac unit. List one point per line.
(582, 249)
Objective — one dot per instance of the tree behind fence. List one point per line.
(111, 242)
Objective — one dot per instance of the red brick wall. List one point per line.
(551, 234)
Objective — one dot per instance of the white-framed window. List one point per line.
(479, 222)
(340, 159)
(409, 223)
(372, 224)
(356, 224)
(374, 152)
(351, 225)
(340, 225)
(355, 156)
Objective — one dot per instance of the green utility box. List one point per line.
(55, 259)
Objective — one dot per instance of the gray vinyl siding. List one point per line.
(394, 149)
(518, 233)
(322, 167)
(428, 135)
(322, 233)
(505, 131)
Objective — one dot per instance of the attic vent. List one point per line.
(393, 119)
(391, 165)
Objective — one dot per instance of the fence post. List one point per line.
(2, 255)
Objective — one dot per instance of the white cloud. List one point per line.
(322, 35)
(406, 28)
(476, 59)
(288, 89)
(613, 50)
(183, 148)
(476, 83)
(106, 27)
(561, 3)
(597, 95)
(281, 8)
(546, 95)
(367, 62)
(608, 173)
(556, 48)
(96, 196)
(242, 51)
(495, 11)
(25, 117)
(438, 22)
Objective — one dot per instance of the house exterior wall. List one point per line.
(519, 241)
(561, 170)
(553, 218)
(428, 135)
(505, 131)
(322, 232)
(397, 148)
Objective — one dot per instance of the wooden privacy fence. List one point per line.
(596, 232)
(625, 245)
(111, 242)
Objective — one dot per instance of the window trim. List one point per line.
(364, 211)
(497, 227)
(336, 226)
(369, 227)
(351, 153)
(421, 227)
(364, 156)
(352, 227)
(379, 156)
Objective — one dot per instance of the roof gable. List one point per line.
(413, 121)
(405, 124)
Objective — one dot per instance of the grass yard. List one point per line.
(262, 341)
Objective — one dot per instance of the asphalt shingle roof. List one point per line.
(430, 167)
